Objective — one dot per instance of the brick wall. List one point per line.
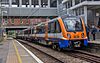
(21, 22)
(16, 22)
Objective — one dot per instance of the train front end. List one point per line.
(74, 32)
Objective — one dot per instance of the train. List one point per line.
(65, 32)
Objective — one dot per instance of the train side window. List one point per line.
(43, 29)
(32, 31)
(39, 30)
(49, 27)
(25, 32)
(29, 31)
(52, 27)
(55, 31)
(58, 29)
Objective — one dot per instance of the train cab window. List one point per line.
(73, 24)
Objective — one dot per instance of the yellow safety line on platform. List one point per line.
(17, 53)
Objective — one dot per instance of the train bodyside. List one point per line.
(61, 32)
(56, 33)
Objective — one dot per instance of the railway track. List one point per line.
(85, 56)
(88, 56)
(46, 58)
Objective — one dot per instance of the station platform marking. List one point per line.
(33, 56)
(17, 53)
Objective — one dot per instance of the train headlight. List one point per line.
(82, 35)
(68, 35)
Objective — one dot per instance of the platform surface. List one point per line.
(97, 41)
(4, 48)
(12, 52)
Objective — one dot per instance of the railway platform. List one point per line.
(11, 51)
(97, 41)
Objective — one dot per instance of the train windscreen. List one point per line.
(73, 24)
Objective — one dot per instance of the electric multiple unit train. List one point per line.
(61, 33)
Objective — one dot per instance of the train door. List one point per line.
(55, 33)
(58, 29)
(54, 28)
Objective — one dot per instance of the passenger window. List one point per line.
(49, 27)
(37, 30)
(52, 27)
(55, 27)
(43, 29)
(58, 29)
(32, 31)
